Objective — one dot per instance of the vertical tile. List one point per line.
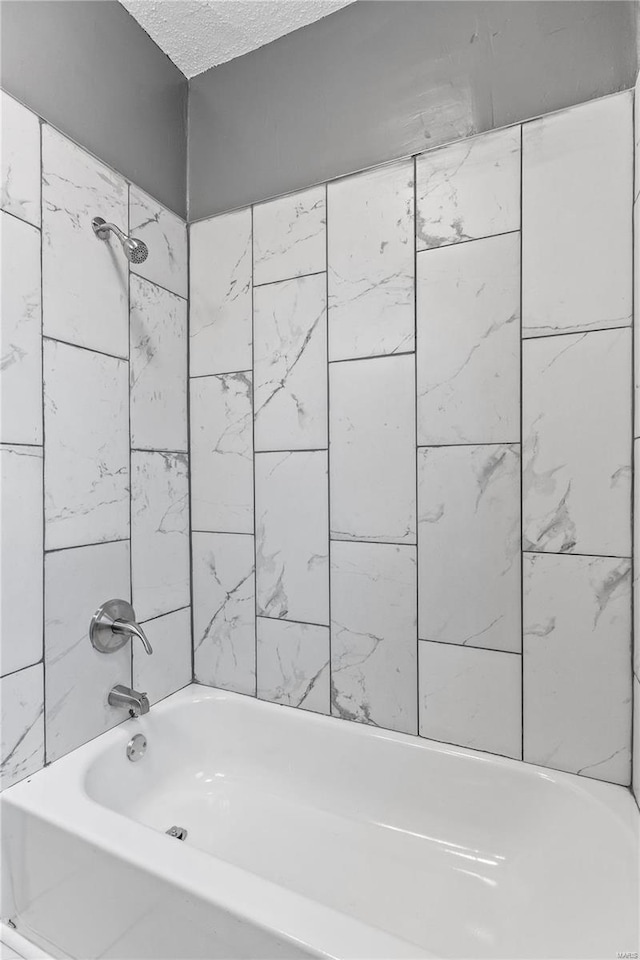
(577, 446)
(290, 357)
(471, 697)
(159, 533)
(21, 552)
(224, 620)
(221, 453)
(220, 294)
(86, 479)
(293, 664)
(158, 368)
(577, 680)
(371, 262)
(20, 160)
(169, 667)
(373, 634)
(636, 563)
(469, 189)
(469, 342)
(165, 234)
(469, 545)
(373, 454)
(21, 360)
(85, 280)
(78, 678)
(289, 236)
(292, 574)
(577, 190)
(22, 743)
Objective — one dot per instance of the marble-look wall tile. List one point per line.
(290, 358)
(469, 189)
(373, 634)
(471, 697)
(292, 574)
(22, 742)
(636, 300)
(21, 557)
(20, 161)
(636, 563)
(158, 367)
(293, 664)
(577, 443)
(165, 234)
(78, 678)
(169, 667)
(469, 342)
(224, 619)
(373, 453)
(159, 533)
(371, 262)
(577, 682)
(85, 280)
(469, 545)
(221, 453)
(289, 237)
(220, 294)
(577, 192)
(86, 479)
(21, 356)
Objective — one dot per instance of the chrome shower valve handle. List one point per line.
(113, 624)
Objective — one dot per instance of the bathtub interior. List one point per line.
(458, 852)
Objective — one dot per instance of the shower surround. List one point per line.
(407, 444)
(94, 442)
(411, 444)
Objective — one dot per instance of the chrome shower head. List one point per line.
(136, 251)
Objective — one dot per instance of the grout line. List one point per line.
(377, 356)
(253, 464)
(299, 276)
(382, 543)
(44, 522)
(469, 646)
(460, 243)
(471, 443)
(415, 392)
(296, 450)
(155, 283)
(587, 556)
(327, 308)
(168, 613)
(131, 654)
(303, 623)
(79, 346)
(521, 355)
(187, 386)
(27, 666)
(14, 216)
(164, 453)
(574, 333)
(81, 546)
(6, 444)
(227, 533)
(226, 373)
(635, 703)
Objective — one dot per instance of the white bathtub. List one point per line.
(312, 837)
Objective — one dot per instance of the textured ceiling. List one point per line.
(198, 34)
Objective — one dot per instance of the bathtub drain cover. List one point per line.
(178, 832)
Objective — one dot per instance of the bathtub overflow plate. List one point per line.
(178, 832)
(136, 747)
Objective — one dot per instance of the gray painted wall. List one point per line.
(87, 67)
(380, 80)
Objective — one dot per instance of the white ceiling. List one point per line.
(198, 34)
